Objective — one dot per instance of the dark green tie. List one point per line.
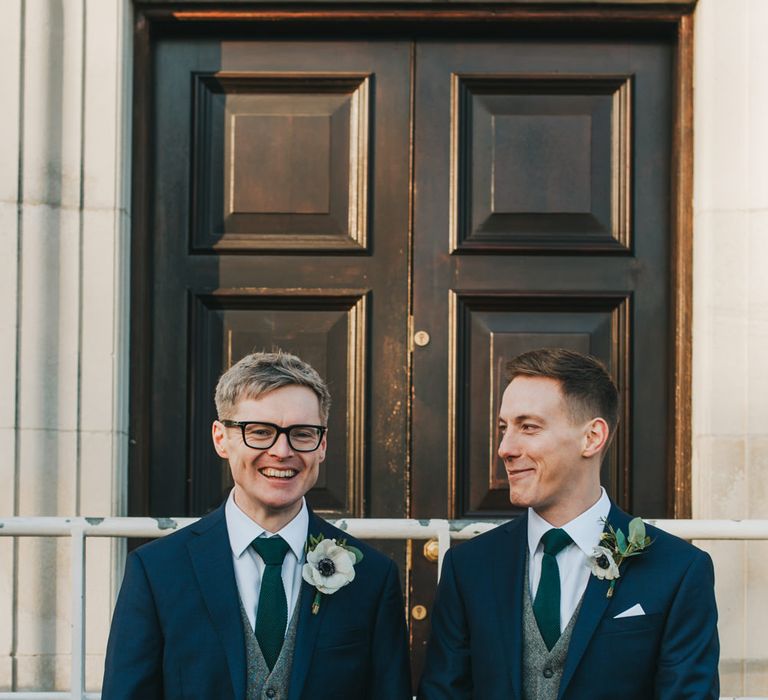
(272, 613)
(546, 605)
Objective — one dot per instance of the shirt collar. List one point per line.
(584, 529)
(242, 530)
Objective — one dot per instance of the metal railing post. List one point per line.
(78, 613)
(443, 529)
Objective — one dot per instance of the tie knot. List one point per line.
(554, 540)
(271, 549)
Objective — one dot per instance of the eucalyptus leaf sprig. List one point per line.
(615, 547)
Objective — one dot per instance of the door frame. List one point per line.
(674, 16)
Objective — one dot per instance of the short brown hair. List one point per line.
(261, 372)
(587, 387)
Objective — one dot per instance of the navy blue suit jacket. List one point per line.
(177, 630)
(670, 653)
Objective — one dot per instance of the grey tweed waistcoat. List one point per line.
(260, 683)
(542, 668)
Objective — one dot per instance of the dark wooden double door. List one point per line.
(405, 214)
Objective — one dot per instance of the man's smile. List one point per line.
(519, 473)
(274, 473)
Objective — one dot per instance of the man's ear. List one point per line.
(596, 435)
(219, 439)
(323, 446)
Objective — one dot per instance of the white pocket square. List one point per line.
(634, 611)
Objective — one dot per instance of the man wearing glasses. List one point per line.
(261, 598)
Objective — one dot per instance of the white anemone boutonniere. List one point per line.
(614, 548)
(330, 566)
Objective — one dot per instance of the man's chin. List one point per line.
(276, 506)
(281, 499)
(519, 500)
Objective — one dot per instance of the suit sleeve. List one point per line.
(133, 664)
(448, 666)
(390, 664)
(690, 648)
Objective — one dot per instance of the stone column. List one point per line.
(730, 399)
(64, 193)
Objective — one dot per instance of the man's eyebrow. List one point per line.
(526, 417)
(517, 420)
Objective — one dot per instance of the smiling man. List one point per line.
(261, 599)
(574, 599)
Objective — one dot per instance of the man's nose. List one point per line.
(509, 446)
(281, 448)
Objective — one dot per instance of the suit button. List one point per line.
(548, 673)
(270, 692)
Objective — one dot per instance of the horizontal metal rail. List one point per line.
(444, 531)
(364, 528)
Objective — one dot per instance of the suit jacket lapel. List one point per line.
(308, 624)
(592, 610)
(508, 586)
(211, 557)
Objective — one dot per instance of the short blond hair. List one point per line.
(261, 372)
(584, 380)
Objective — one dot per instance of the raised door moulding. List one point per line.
(588, 121)
(352, 304)
(248, 160)
(607, 333)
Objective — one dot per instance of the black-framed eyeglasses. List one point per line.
(261, 436)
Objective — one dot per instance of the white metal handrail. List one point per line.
(444, 531)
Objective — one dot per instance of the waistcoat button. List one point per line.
(270, 692)
(548, 673)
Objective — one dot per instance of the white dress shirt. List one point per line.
(249, 566)
(572, 561)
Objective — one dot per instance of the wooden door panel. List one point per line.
(490, 331)
(540, 163)
(328, 330)
(280, 162)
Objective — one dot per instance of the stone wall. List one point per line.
(64, 193)
(730, 340)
